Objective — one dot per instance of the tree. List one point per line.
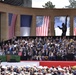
(72, 4)
(49, 4)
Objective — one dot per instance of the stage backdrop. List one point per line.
(25, 25)
(58, 22)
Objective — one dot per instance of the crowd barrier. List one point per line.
(16, 58)
(57, 63)
(51, 63)
(42, 63)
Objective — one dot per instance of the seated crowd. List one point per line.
(41, 48)
(34, 70)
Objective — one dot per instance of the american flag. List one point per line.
(74, 26)
(74, 31)
(12, 23)
(42, 25)
(25, 25)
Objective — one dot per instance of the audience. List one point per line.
(36, 70)
(41, 48)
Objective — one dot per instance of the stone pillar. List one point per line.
(52, 26)
(71, 25)
(33, 26)
(49, 29)
(17, 27)
(4, 26)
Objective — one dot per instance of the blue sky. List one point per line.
(60, 20)
(57, 3)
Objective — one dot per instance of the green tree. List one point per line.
(72, 4)
(49, 4)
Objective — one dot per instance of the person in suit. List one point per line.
(64, 27)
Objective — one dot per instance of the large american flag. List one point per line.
(74, 26)
(25, 25)
(74, 31)
(12, 23)
(42, 25)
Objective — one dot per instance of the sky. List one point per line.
(57, 3)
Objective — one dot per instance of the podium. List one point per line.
(8, 57)
(12, 58)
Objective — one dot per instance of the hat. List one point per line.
(45, 67)
(7, 72)
(40, 67)
(35, 73)
(4, 67)
(27, 66)
(26, 73)
(54, 69)
(60, 69)
(74, 67)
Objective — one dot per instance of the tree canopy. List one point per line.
(49, 4)
(72, 4)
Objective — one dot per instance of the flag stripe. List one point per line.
(43, 29)
(74, 31)
(12, 26)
